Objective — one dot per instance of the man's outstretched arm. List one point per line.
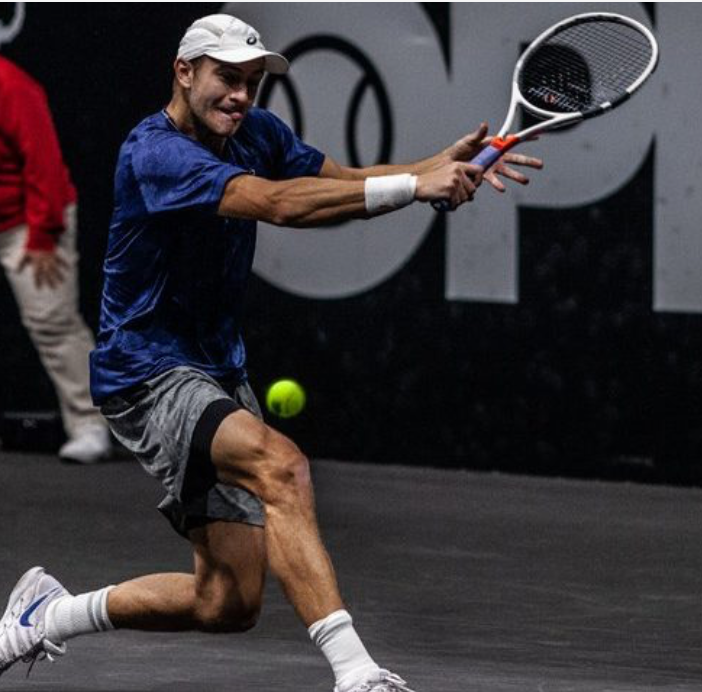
(462, 150)
(309, 202)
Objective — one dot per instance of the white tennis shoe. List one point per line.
(23, 626)
(387, 682)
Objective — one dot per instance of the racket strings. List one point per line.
(584, 66)
(616, 54)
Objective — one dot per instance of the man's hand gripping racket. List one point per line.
(582, 67)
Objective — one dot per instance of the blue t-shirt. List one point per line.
(176, 271)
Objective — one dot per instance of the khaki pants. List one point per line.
(54, 324)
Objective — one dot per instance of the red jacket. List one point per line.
(35, 185)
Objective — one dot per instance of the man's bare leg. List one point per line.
(249, 453)
(225, 592)
(223, 595)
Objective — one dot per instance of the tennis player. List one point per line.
(169, 368)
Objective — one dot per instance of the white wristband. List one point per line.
(389, 192)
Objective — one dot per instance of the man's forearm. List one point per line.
(416, 168)
(302, 202)
(333, 170)
(310, 202)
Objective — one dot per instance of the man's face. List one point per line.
(221, 93)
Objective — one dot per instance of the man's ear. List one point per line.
(183, 71)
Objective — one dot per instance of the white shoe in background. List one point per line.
(91, 444)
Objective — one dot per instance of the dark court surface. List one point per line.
(460, 582)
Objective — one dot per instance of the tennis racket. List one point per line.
(582, 67)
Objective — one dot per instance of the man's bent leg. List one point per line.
(224, 594)
(247, 452)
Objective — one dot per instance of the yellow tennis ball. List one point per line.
(285, 398)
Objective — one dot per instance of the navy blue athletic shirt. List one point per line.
(176, 271)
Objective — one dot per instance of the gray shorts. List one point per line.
(168, 423)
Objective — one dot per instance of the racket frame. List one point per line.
(553, 120)
(503, 142)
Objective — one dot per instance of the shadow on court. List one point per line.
(459, 582)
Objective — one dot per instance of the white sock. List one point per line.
(70, 616)
(336, 637)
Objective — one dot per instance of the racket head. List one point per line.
(584, 66)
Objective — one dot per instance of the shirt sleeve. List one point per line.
(30, 128)
(296, 158)
(175, 173)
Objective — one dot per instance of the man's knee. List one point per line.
(219, 616)
(284, 472)
(230, 573)
(251, 454)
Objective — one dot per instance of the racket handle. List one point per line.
(484, 159)
(488, 156)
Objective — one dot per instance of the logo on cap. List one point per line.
(251, 40)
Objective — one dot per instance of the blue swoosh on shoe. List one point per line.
(24, 620)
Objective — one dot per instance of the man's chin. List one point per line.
(225, 128)
(226, 132)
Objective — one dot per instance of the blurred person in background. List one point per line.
(38, 254)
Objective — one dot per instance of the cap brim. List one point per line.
(274, 62)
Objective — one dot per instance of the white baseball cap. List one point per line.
(226, 38)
